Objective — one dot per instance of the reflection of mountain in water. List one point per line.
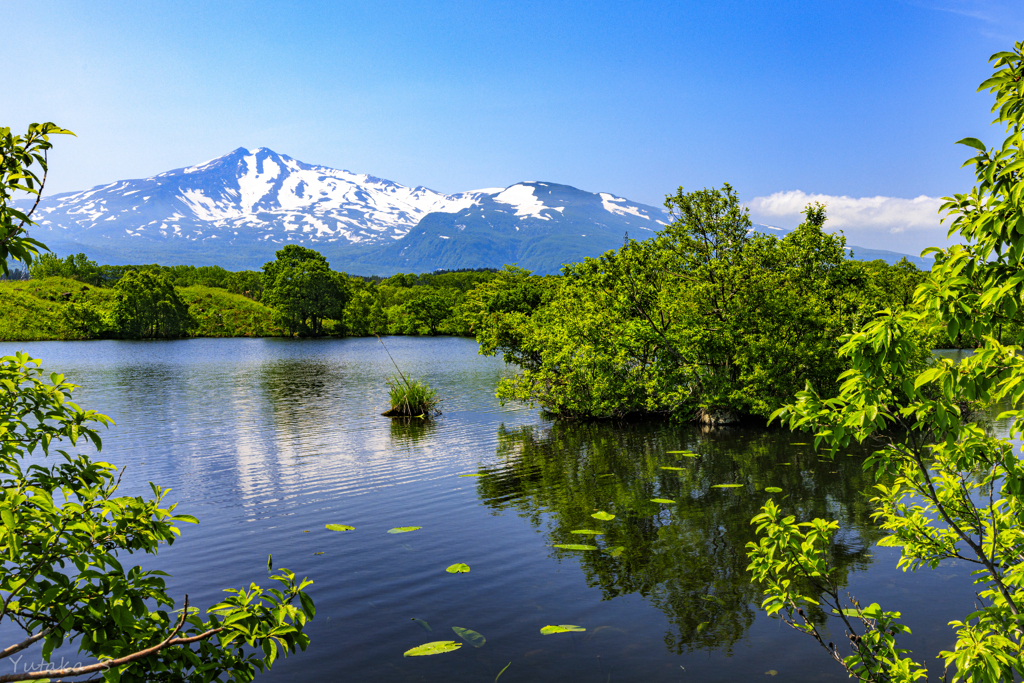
(688, 558)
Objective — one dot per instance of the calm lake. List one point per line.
(268, 440)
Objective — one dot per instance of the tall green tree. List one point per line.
(147, 306)
(707, 319)
(957, 490)
(300, 284)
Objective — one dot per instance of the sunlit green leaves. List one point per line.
(458, 568)
(603, 516)
(772, 489)
(436, 647)
(22, 169)
(664, 501)
(574, 546)
(726, 486)
(339, 527)
(561, 628)
(590, 532)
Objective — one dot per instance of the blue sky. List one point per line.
(786, 101)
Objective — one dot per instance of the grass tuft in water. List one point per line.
(411, 398)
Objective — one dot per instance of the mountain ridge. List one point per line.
(237, 209)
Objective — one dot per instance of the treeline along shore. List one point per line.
(708, 319)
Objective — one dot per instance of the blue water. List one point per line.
(267, 439)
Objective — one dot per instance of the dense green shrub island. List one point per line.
(708, 319)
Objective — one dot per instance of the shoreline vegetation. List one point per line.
(708, 321)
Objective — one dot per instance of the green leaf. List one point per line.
(972, 142)
(339, 527)
(666, 501)
(470, 636)
(459, 568)
(270, 562)
(471, 475)
(561, 628)
(772, 489)
(435, 648)
(587, 531)
(674, 469)
(8, 518)
(425, 625)
(501, 672)
(603, 516)
(403, 529)
(727, 486)
(574, 546)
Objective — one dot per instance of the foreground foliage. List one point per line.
(956, 490)
(64, 538)
(18, 155)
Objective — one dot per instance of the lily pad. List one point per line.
(403, 529)
(772, 489)
(603, 516)
(339, 527)
(458, 568)
(435, 648)
(574, 546)
(561, 628)
(616, 551)
(470, 636)
(666, 501)
(425, 625)
(674, 469)
(319, 553)
(727, 486)
(590, 532)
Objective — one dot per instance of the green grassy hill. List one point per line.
(34, 310)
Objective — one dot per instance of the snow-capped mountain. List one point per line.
(236, 210)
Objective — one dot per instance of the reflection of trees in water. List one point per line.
(302, 396)
(688, 558)
(406, 431)
(292, 381)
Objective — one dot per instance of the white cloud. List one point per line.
(875, 222)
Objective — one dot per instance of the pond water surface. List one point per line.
(268, 440)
